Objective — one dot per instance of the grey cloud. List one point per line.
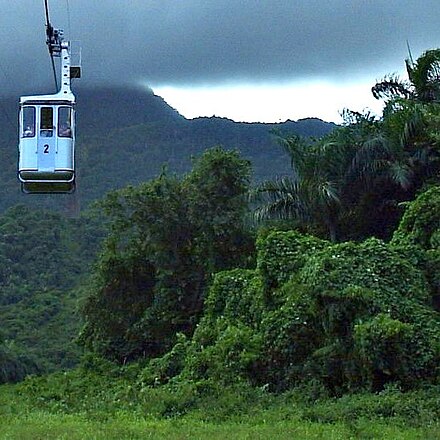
(194, 41)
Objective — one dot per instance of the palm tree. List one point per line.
(410, 113)
(365, 164)
(423, 83)
(326, 177)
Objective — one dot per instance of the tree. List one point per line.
(167, 237)
(411, 119)
(216, 187)
(328, 176)
(423, 80)
(348, 184)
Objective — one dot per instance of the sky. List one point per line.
(248, 60)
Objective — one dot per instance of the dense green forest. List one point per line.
(206, 295)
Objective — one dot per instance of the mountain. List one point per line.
(126, 136)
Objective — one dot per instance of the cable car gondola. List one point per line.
(47, 130)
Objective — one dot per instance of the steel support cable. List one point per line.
(46, 7)
(68, 20)
(49, 33)
(54, 70)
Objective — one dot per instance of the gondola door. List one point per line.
(46, 147)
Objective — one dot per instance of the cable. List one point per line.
(49, 42)
(54, 70)
(46, 7)
(68, 20)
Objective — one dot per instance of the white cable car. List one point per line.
(46, 161)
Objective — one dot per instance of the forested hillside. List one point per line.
(315, 291)
(43, 259)
(126, 136)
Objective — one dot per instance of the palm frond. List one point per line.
(280, 199)
(425, 75)
(401, 174)
(294, 146)
(391, 87)
(413, 125)
(369, 159)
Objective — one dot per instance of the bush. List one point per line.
(385, 347)
(236, 295)
(420, 224)
(160, 370)
(222, 351)
(290, 334)
(283, 254)
(372, 264)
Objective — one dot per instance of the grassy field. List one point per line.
(77, 406)
(42, 425)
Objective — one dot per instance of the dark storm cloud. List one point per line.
(211, 41)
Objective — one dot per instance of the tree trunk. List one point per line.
(332, 230)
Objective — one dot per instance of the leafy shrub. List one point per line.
(283, 254)
(396, 289)
(420, 224)
(236, 295)
(385, 347)
(418, 236)
(160, 370)
(290, 334)
(347, 316)
(223, 351)
(372, 264)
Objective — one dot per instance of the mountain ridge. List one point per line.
(127, 135)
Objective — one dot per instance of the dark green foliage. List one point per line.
(215, 189)
(41, 251)
(335, 181)
(347, 316)
(418, 236)
(15, 365)
(223, 350)
(118, 306)
(282, 254)
(385, 346)
(290, 335)
(44, 256)
(160, 370)
(167, 238)
(420, 224)
(396, 289)
(236, 295)
(226, 344)
(154, 275)
(373, 265)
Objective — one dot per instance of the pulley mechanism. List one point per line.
(54, 39)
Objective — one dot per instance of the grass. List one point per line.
(81, 405)
(41, 425)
